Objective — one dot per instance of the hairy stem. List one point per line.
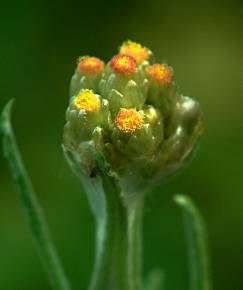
(33, 210)
(118, 238)
(109, 271)
(118, 230)
(134, 243)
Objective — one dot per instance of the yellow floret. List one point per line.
(90, 65)
(160, 73)
(136, 50)
(88, 101)
(129, 120)
(123, 64)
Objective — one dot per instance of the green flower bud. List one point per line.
(87, 74)
(137, 133)
(162, 92)
(132, 115)
(123, 83)
(85, 112)
(183, 130)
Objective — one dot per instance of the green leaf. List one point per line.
(197, 244)
(37, 222)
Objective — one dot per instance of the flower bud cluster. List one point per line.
(131, 112)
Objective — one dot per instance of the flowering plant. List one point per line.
(128, 128)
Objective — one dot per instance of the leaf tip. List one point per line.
(180, 199)
(5, 114)
(7, 108)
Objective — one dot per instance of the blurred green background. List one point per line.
(203, 41)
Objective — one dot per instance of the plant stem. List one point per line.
(33, 210)
(134, 234)
(109, 271)
(118, 235)
(197, 244)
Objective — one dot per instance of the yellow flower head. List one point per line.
(136, 50)
(88, 101)
(129, 120)
(123, 64)
(160, 73)
(91, 65)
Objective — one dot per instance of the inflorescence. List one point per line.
(131, 112)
